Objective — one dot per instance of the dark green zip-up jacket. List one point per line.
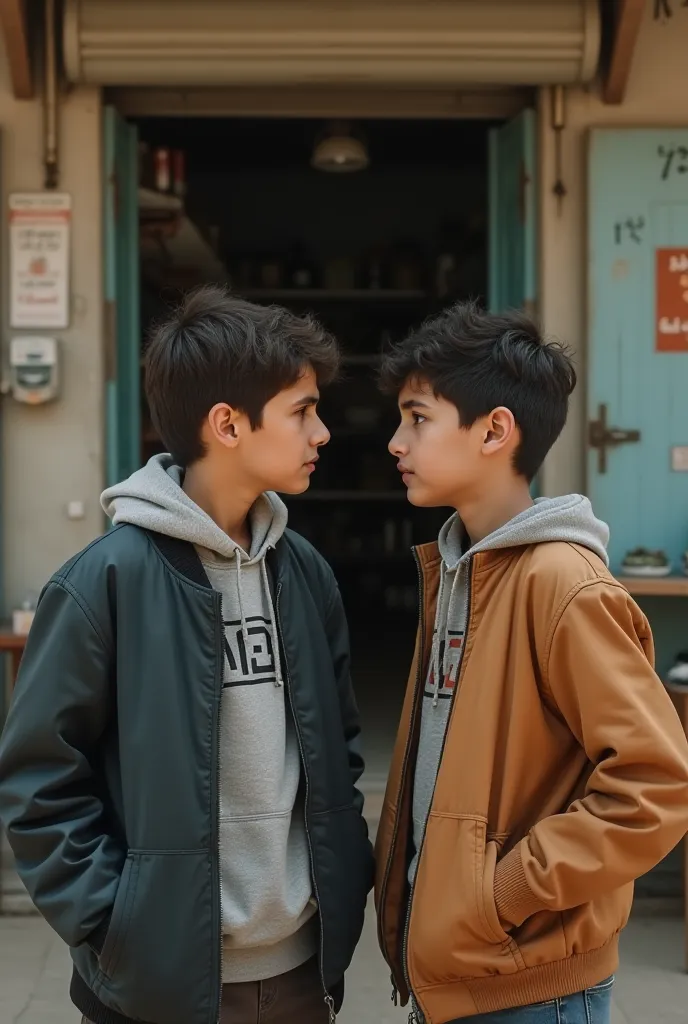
(109, 768)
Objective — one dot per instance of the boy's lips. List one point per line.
(310, 465)
(405, 471)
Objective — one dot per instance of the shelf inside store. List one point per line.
(359, 558)
(154, 205)
(170, 237)
(326, 495)
(361, 360)
(335, 294)
(365, 433)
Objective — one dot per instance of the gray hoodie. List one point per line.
(266, 892)
(568, 519)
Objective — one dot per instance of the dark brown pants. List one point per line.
(293, 998)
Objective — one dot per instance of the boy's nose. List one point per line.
(322, 435)
(395, 446)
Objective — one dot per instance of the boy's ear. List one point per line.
(501, 431)
(224, 425)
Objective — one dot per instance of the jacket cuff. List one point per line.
(96, 939)
(514, 898)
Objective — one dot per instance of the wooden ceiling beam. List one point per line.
(629, 17)
(13, 23)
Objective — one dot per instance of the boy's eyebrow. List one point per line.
(307, 400)
(414, 403)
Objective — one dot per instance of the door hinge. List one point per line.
(602, 437)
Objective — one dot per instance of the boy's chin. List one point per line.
(421, 497)
(292, 487)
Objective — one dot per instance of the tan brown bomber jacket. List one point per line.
(564, 776)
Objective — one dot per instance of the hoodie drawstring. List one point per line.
(447, 646)
(435, 654)
(273, 621)
(441, 622)
(244, 627)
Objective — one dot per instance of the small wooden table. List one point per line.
(657, 586)
(12, 644)
(679, 695)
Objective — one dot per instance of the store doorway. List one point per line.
(442, 210)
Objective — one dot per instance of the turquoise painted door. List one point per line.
(512, 277)
(637, 231)
(122, 316)
(512, 216)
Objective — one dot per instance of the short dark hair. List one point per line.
(480, 361)
(215, 348)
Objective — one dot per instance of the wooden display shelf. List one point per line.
(658, 586)
(335, 295)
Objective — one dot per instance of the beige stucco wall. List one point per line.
(53, 454)
(656, 96)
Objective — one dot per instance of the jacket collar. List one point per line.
(182, 556)
(429, 558)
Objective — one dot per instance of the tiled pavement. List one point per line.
(652, 986)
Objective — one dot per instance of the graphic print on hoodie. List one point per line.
(266, 890)
(569, 519)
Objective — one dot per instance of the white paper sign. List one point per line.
(39, 259)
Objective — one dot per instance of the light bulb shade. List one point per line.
(339, 154)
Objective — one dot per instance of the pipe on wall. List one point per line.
(50, 98)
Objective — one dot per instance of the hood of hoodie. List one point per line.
(570, 519)
(153, 499)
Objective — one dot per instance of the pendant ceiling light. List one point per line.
(339, 152)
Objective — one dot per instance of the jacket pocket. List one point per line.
(161, 957)
(117, 929)
(454, 929)
(494, 925)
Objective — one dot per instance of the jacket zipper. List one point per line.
(414, 1017)
(329, 1001)
(395, 833)
(216, 823)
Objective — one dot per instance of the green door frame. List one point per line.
(513, 238)
(121, 292)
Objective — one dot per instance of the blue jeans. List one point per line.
(594, 1006)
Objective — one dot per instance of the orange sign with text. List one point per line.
(671, 291)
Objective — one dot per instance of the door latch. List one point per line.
(602, 437)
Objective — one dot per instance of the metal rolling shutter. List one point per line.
(195, 43)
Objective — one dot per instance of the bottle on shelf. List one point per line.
(374, 269)
(407, 267)
(179, 173)
(340, 274)
(447, 263)
(301, 268)
(162, 169)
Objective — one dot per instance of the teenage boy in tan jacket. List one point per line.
(540, 767)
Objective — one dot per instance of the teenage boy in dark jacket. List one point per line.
(178, 769)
